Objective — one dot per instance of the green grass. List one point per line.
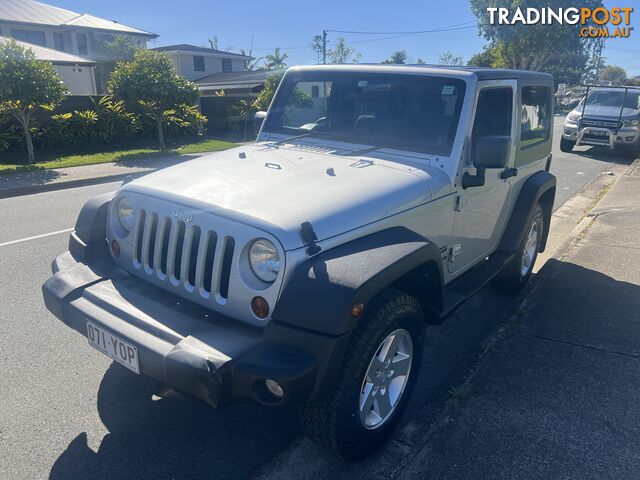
(47, 161)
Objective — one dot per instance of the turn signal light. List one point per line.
(260, 307)
(115, 248)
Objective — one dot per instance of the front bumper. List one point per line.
(624, 137)
(187, 347)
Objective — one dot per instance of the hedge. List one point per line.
(107, 122)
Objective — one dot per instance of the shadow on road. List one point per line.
(176, 437)
(173, 437)
(605, 154)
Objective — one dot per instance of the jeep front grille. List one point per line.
(183, 255)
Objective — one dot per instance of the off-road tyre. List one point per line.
(333, 420)
(512, 279)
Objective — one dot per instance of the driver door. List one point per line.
(480, 211)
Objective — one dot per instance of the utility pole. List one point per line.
(599, 61)
(324, 47)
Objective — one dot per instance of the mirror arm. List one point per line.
(476, 180)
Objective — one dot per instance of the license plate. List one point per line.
(113, 347)
(598, 133)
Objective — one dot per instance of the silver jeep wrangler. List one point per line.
(303, 268)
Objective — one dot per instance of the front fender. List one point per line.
(322, 290)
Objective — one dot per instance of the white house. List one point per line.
(194, 62)
(77, 73)
(63, 30)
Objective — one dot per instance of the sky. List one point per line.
(290, 25)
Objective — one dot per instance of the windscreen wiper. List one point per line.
(291, 139)
(361, 151)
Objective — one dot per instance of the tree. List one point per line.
(448, 58)
(614, 74)
(489, 57)
(420, 61)
(536, 47)
(250, 64)
(399, 57)
(151, 81)
(341, 53)
(121, 48)
(317, 45)
(27, 85)
(213, 44)
(276, 60)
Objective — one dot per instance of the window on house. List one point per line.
(81, 39)
(198, 64)
(535, 116)
(315, 91)
(30, 36)
(58, 42)
(226, 65)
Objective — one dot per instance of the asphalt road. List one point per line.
(66, 412)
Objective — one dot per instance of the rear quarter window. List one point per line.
(535, 116)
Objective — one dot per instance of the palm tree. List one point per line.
(275, 61)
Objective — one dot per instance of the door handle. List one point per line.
(508, 173)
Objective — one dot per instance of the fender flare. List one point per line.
(321, 291)
(89, 238)
(538, 188)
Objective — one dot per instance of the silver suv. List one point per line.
(302, 269)
(607, 116)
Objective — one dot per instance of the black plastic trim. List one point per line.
(320, 293)
(538, 188)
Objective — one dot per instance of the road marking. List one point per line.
(35, 237)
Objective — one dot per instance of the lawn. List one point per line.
(49, 160)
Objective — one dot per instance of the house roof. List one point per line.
(28, 11)
(233, 80)
(183, 47)
(49, 55)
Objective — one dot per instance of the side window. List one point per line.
(493, 113)
(535, 116)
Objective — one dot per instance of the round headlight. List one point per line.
(264, 260)
(125, 213)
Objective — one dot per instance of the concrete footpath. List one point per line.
(558, 395)
(25, 183)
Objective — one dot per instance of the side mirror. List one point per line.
(258, 118)
(492, 151)
(489, 152)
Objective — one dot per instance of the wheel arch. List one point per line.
(321, 292)
(539, 188)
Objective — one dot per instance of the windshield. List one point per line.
(413, 112)
(609, 98)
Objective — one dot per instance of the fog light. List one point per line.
(274, 388)
(629, 139)
(260, 307)
(115, 248)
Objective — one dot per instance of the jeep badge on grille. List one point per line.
(184, 216)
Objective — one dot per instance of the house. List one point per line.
(63, 30)
(77, 73)
(235, 84)
(194, 62)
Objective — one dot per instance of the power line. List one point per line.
(414, 32)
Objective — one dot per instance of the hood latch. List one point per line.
(309, 237)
